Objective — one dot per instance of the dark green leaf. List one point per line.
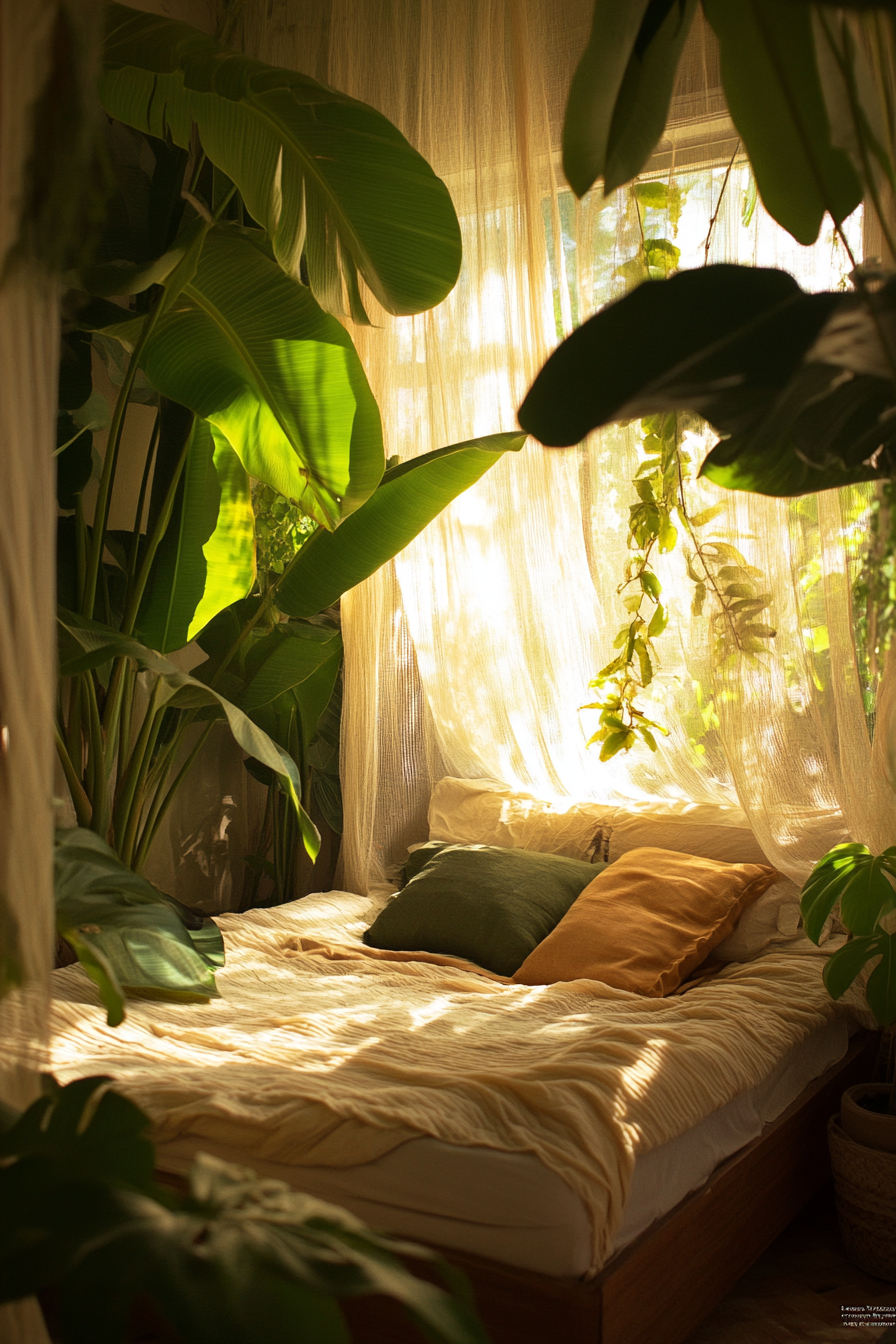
(842, 968)
(881, 988)
(866, 897)
(773, 90)
(720, 341)
(595, 89)
(642, 104)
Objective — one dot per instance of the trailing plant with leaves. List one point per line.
(233, 1260)
(717, 569)
(249, 204)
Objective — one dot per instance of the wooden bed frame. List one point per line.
(659, 1288)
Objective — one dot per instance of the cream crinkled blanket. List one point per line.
(319, 1053)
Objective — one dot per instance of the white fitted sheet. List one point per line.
(508, 1206)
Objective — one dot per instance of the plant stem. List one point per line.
(97, 778)
(138, 512)
(154, 541)
(110, 462)
(128, 784)
(161, 804)
(83, 811)
(715, 213)
(698, 551)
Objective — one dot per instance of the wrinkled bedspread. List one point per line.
(323, 1052)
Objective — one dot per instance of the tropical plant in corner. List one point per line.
(249, 204)
(230, 1261)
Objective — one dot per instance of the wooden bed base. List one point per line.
(659, 1288)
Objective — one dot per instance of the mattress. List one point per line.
(508, 1206)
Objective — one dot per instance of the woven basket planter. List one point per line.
(865, 1184)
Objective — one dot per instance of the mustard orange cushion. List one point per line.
(646, 921)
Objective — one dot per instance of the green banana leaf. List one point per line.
(206, 559)
(668, 343)
(284, 659)
(251, 352)
(85, 645)
(408, 497)
(799, 384)
(283, 680)
(620, 94)
(329, 178)
(126, 934)
(774, 92)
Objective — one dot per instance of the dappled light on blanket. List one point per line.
(333, 1055)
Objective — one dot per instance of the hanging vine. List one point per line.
(717, 569)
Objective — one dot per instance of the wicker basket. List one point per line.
(865, 1184)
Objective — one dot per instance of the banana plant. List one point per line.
(248, 205)
(278, 655)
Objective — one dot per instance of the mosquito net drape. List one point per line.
(471, 654)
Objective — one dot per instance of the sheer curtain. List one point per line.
(471, 654)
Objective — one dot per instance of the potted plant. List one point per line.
(863, 1139)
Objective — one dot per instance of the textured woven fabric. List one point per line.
(336, 1059)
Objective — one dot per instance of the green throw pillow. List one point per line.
(490, 905)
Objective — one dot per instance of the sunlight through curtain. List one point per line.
(471, 654)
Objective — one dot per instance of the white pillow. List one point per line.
(487, 812)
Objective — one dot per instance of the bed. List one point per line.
(565, 1145)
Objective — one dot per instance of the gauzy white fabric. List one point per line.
(471, 654)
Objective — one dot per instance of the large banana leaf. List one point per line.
(620, 94)
(207, 557)
(797, 383)
(327, 176)
(86, 644)
(408, 497)
(772, 84)
(251, 352)
(665, 346)
(126, 934)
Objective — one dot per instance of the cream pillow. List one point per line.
(487, 812)
(772, 924)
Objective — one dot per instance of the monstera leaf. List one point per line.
(250, 351)
(330, 179)
(234, 1261)
(125, 933)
